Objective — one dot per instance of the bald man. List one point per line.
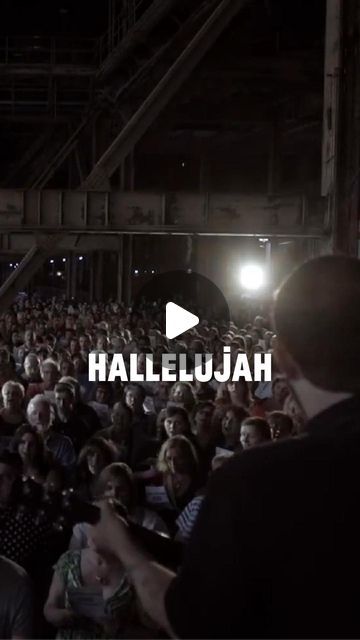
(274, 552)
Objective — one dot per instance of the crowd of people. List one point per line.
(151, 446)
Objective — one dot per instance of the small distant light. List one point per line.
(81, 258)
(189, 271)
(64, 259)
(263, 239)
(152, 271)
(11, 264)
(183, 164)
(136, 272)
(52, 261)
(59, 274)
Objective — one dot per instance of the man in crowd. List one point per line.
(15, 601)
(81, 410)
(274, 552)
(31, 373)
(67, 421)
(40, 415)
(50, 375)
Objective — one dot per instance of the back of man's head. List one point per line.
(317, 320)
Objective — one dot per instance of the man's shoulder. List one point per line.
(288, 459)
(264, 457)
(12, 574)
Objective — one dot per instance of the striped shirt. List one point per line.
(187, 518)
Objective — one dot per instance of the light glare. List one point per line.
(252, 277)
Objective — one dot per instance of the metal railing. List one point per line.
(51, 98)
(48, 50)
(120, 24)
(65, 50)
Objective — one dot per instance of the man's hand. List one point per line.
(111, 532)
(150, 580)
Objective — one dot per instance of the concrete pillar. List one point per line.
(127, 268)
(99, 276)
(204, 177)
(268, 260)
(71, 275)
(120, 270)
(68, 271)
(74, 265)
(274, 158)
(91, 277)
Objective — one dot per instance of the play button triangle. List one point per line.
(178, 320)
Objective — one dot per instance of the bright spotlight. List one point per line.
(252, 277)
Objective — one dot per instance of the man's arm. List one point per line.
(213, 588)
(150, 579)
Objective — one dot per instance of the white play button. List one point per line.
(178, 320)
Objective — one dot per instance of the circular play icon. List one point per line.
(180, 300)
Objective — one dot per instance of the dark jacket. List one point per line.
(275, 550)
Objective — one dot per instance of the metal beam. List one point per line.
(60, 156)
(44, 70)
(332, 67)
(347, 189)
(103, 213)
(162, 94)
(137, 35)
(27, 268)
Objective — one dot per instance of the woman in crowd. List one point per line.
(77, 573)
(207, 434)
(66, 366)
(239, 393)
(280, 391)
(203, 391)
(116, 481)
(231, 427)
(102, 403)
(93, 458)
(177, 422)
(119, 432)
(294, 411)
(281, 425)
(182, 394)
(178, 480)
(37, 462)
